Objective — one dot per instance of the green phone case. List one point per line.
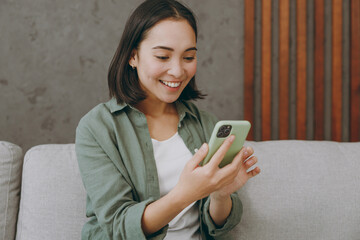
(238, 128)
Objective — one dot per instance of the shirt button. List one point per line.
(195, 150)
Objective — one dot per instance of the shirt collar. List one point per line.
(114, 106)
(181, 107)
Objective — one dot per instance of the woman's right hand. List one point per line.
(197, 182)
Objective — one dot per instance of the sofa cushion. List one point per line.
(53, 198)
(306, 190)
(10, 180)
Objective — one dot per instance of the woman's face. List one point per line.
(166, 60)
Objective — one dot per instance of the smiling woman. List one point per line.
(122, 77)
(138, 154)
(165, 60)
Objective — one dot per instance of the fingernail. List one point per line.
(248, 149)
(232, 138)
(203, 147)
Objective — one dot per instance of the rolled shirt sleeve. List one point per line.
(232, 220)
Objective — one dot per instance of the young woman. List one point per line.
(139, 153)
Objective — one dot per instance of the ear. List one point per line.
(133, 58)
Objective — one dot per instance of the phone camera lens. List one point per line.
(224, 131)
(222, 128)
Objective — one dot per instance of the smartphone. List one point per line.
(222, 130)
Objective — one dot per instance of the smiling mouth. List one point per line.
(171, 84)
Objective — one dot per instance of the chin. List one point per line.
(170, 99)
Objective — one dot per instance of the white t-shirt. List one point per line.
(171, 156)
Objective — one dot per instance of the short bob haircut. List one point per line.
(123, 81)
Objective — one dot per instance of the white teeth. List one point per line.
(171, 84)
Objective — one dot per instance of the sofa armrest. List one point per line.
(10, 180)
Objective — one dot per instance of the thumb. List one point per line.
(199, 155)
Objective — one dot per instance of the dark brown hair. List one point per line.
(123, 81)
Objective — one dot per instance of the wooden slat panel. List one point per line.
(327, 69)
(336, 110)
(249, 59)
(284, 48)
(266, 70)
(310, 50)
(345, 71)
(301, 71)
(292, 70)
(319, 71)
(249, 56)
(355, 71)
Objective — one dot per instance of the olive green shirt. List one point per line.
(117, 166)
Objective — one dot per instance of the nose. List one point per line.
(176, 69)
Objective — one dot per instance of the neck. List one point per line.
(155, 109)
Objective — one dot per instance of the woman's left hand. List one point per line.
(242, 162)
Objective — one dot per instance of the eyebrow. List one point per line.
(171, 49)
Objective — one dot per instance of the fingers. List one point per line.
(253, 172)
(250, 162)
(248, 151)
(244, 154)
(199, 156)
(220, 153)
(243, 160)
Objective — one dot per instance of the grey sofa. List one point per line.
(306, 190)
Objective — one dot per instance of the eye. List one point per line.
(189, 58)
(162, 57)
